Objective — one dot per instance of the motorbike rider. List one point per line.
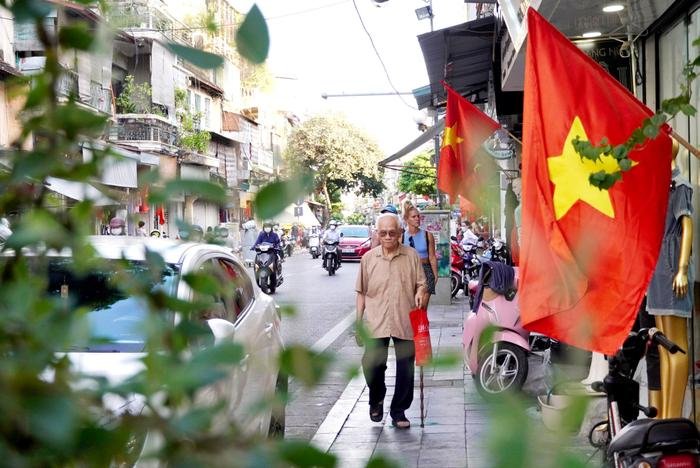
(267, 235)
(332, 235)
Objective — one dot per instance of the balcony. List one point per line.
(147, 131)
(67, 84)
(100, 98)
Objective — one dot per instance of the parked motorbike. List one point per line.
(498, 364)
(314, 246)
(465, 266)
(499, 252)
(631, 442)
(330, 257)
(268, 268)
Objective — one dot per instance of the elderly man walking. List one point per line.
(390, 284)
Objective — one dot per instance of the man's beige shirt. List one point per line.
(389, 285)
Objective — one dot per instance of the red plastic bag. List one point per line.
(421, 336)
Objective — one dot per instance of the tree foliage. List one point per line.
(342, 156)
(51, 414)
(419, 175)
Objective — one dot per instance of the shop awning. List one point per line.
(424, 138)
(460, 55)
(78, 191)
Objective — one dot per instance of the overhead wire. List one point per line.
(379, 57)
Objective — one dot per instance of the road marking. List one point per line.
(333, 334)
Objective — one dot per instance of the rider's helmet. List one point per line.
(332, 224)
(117, 226)
(267, 226)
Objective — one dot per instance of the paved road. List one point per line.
(321, 301)
(325, 308)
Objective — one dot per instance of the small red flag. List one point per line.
(587, 254)
(466, 128)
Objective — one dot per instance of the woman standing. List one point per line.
(424, 243)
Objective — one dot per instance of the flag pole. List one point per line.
(683, 142)
(513, 136)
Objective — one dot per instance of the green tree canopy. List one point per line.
(419, 177)
(342, 156)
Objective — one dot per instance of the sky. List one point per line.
(319, 46)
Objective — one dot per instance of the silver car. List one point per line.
(244, 314)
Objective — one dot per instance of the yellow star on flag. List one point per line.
(450, 138)
(569, 173)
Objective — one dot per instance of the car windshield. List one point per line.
(354, 231)
(115, 320)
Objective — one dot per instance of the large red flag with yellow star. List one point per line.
(466, 128)
(587, 255)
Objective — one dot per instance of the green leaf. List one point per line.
(253, 38)
(195, 421)
(688, 109)
(196, 57)
(625, 164)
(275, 197)
(203, 283)
(299, 453)
(205, 189)
(226, 354)
(76, 36)
(38, 226)
(650, 131)
(26, 10)
(74, 120)
(304, 364)
(380, 461)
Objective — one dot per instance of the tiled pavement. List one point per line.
(457, 419)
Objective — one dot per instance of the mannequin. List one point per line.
(669, 298)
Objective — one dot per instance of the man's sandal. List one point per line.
(376, 412)
(400, 422)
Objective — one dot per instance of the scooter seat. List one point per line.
(655, 433)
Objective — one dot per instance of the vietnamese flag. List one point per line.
(466, 128)
(587, 255)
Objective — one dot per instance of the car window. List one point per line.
(243, 292)
(216, 304)
(354, 231)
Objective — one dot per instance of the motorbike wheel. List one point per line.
(507, 374)
(272, 285)
(455, 281)
(331, 270)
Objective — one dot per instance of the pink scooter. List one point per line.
(497, 359)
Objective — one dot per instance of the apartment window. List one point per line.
(197, 103)
(207, 107)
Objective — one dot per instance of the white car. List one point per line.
(243, 314)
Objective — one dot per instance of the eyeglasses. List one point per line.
(410, 242)
(387, 233)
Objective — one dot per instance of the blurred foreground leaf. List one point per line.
(253, 38)
(275, 197)
(196, 57)
(304, 364)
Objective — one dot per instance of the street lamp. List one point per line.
(424, 12)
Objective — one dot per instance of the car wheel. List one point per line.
(506, 374)
(278, 419)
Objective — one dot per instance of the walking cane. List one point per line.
(422, 413)
(421, 339)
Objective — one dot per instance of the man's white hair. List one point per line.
(388, 216)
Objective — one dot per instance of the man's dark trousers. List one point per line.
(374, 367)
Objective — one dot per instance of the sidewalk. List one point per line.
(457, 418)
(348, 432)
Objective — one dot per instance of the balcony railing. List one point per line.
(100, 98)
(67, 84)
(146, 128)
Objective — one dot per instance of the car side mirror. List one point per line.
(454, 238)
(341, 234)
(221, 329)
